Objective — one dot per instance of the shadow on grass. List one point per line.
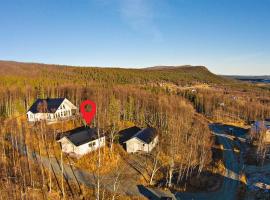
(155, 194)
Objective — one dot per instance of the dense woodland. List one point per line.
(169, 99)
(231, 105)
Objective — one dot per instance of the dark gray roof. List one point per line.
(81, 135)
(147, 135)
(128, 133)
(46, 105)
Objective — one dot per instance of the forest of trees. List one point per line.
(231, 105)
(124, 97)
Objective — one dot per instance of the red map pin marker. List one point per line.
(88, 116)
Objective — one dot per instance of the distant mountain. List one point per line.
(176, 74)
(249, 77)
(255, 79)
(168, 67)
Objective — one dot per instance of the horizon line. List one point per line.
(119, 67)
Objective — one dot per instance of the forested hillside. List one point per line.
(213, 93)
(178, 101)
(179, 75)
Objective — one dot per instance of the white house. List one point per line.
(51, 110)
(142, 141)
(81, 141)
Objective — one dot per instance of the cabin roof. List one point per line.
(81, 135)
(49, 105)
(147, 135)
(128, 133)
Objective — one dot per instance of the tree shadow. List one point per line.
(231, 146)
(225, 135)
(230, 129)
(155, 194)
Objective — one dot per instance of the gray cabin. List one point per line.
(135, 139)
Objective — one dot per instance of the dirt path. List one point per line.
(228, 190)
(127, 186)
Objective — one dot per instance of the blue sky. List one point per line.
(227, 36)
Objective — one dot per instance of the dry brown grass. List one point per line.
(109, 161)
(243, 178)
(219, 168)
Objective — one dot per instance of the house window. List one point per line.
(63, 106)
(92, 144)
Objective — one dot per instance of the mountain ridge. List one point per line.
(185, 74)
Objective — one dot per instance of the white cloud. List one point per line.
(140, 16)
